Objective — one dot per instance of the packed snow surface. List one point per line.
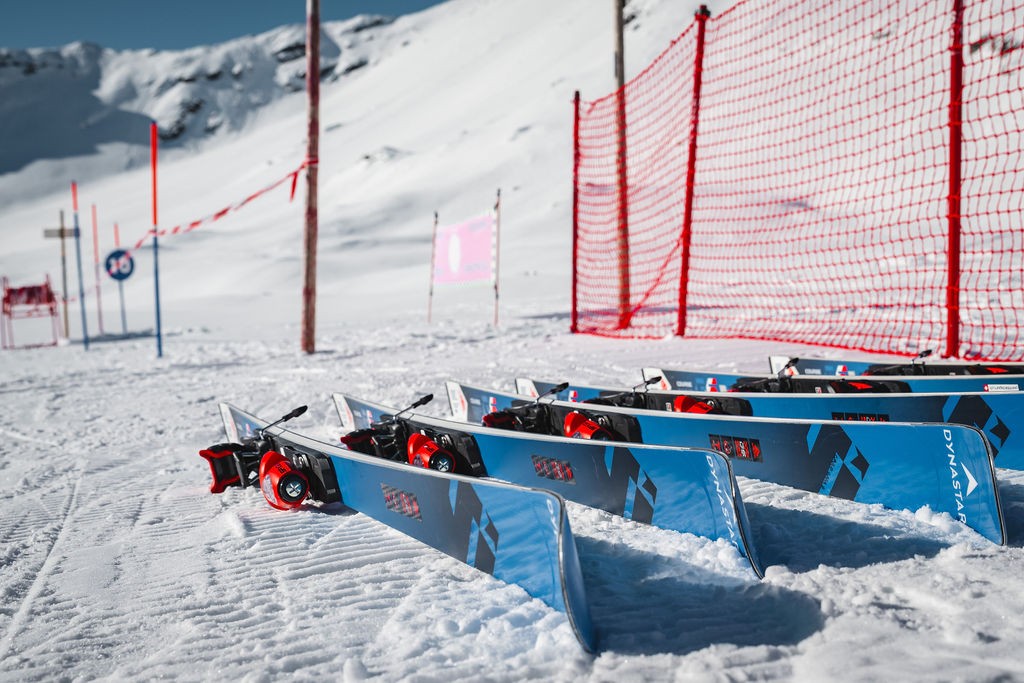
(118, 563)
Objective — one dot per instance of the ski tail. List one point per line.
(651, 373)
(528, 387)
(721, 484)
(470, 404)
(776, 363)
(746, 541)
(238, 424)
(572, 393)
(517, 534)
(355, 417)
(457, 402)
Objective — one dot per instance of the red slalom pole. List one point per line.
(153, 144)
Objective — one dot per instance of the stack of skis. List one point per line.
(488, 487)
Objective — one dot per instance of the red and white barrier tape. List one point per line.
(181, 229)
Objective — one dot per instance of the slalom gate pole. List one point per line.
(120, 285)
(153, 137)
(78, 257)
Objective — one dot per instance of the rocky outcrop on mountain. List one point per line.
(71, 100)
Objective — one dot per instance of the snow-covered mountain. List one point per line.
(67, 102)
(430, 112)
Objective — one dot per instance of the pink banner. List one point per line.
(465, 252)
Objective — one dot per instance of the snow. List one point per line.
(117, 562)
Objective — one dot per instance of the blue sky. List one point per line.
(170, 24)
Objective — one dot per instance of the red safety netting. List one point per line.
(657, 109)
(992, 241)
(821, 203)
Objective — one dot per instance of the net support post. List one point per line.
(622, 173)
(956, 73)
(574, 325)
(701, 18)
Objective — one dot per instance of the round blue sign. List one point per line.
(120, 264)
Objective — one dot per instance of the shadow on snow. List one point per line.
(641, 606)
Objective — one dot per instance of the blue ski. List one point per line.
(709, 380)
(1000, 416)
(517, 534)
(687, 490)
(902, 466)
(913, 367)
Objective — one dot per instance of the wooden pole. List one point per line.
(312, 153)
(622, 242)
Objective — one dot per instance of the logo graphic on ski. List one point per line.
(478, 521)
(686, 490)
(902, 466)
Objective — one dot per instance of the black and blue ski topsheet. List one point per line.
(517, 534)
(711, 380)
(687, 490)
(947, 468)
(999, 415)
(843, 367)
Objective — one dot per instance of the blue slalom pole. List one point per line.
(78, 255)
(153, 133)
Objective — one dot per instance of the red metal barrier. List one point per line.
(32, 301)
